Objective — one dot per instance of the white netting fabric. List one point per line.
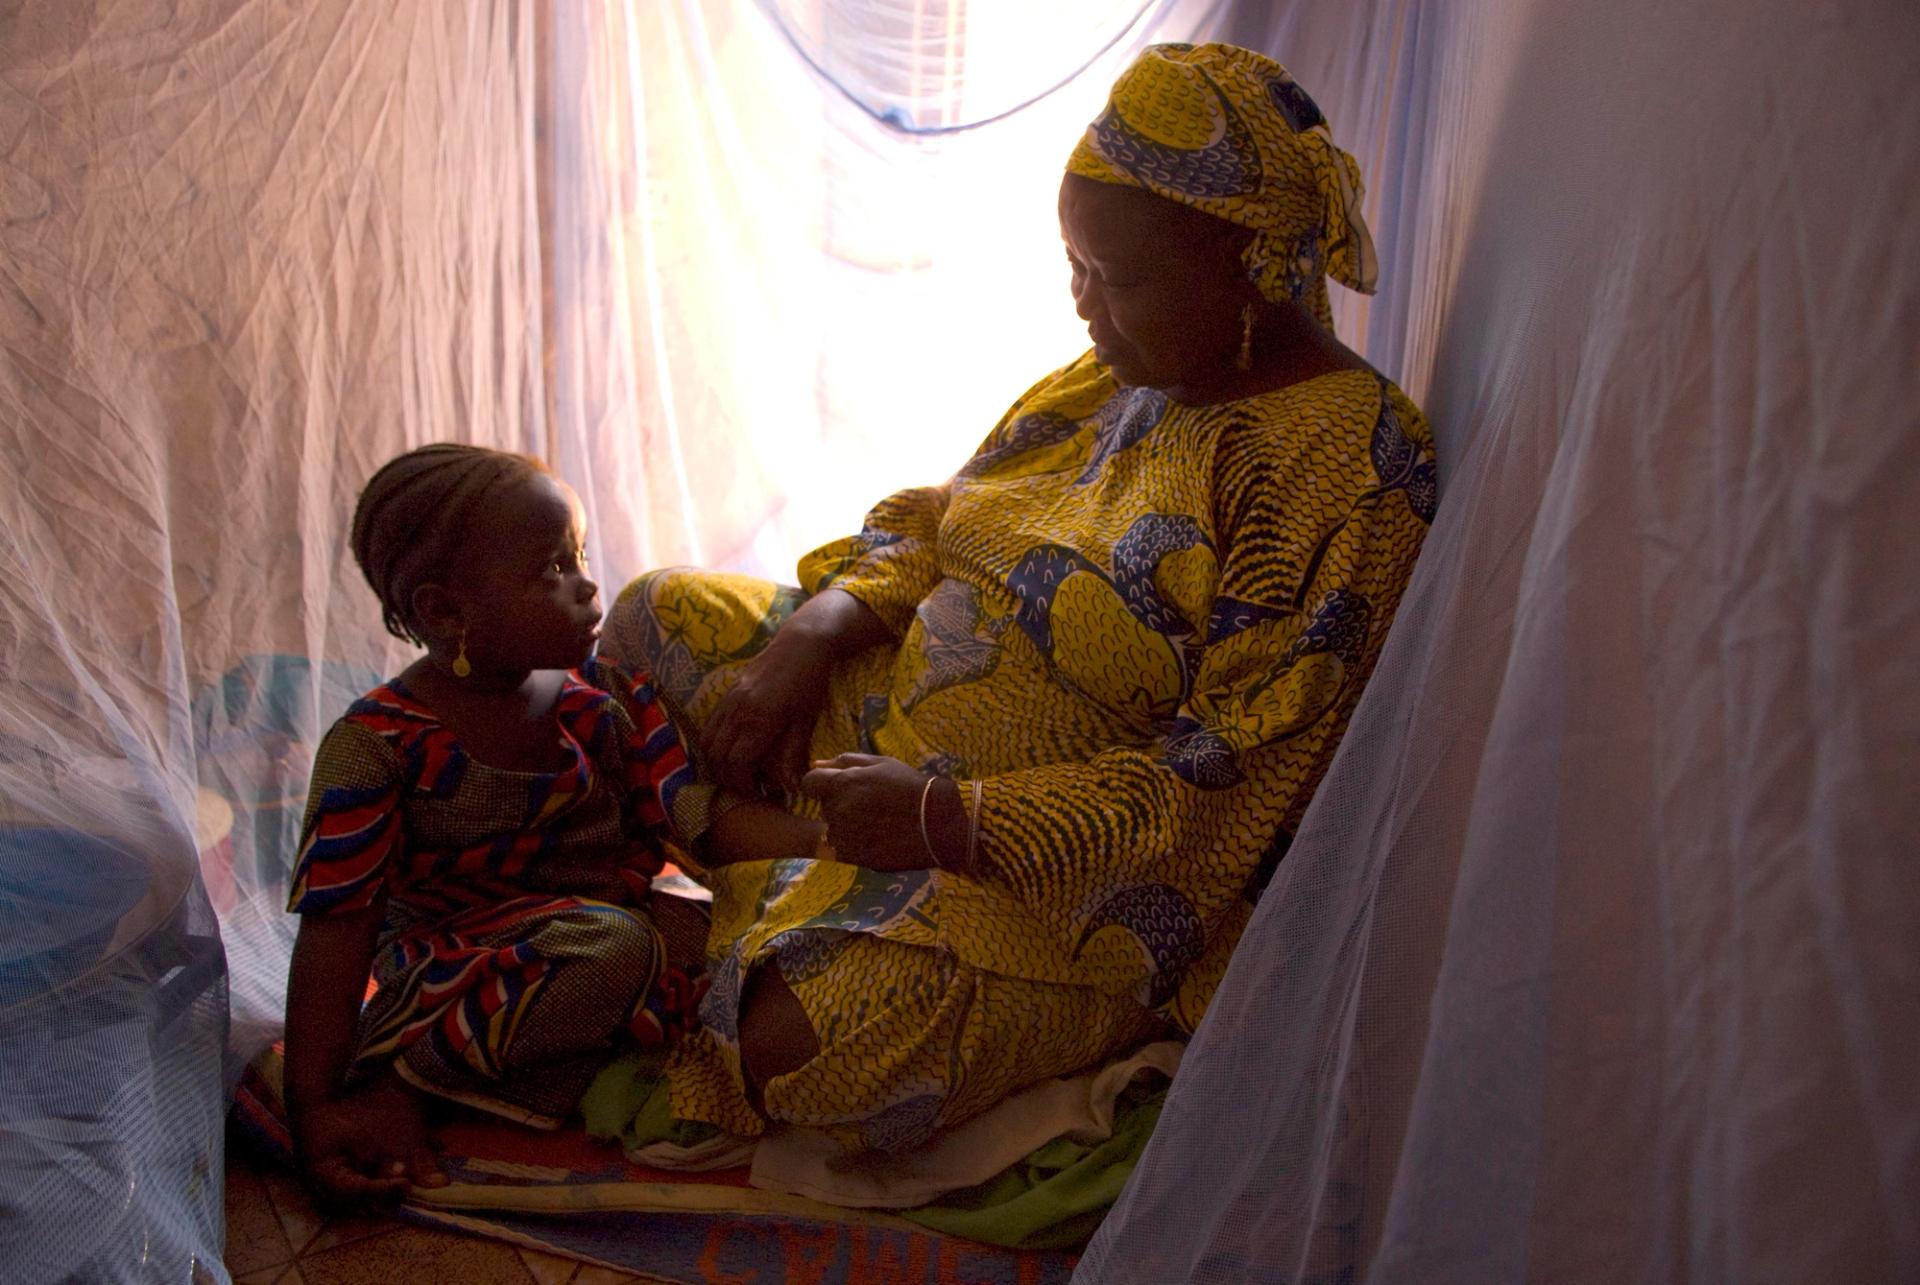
(1594, 958)
(250, 250)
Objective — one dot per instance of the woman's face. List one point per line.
(1159, 285)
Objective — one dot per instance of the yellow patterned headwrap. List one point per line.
(1228, 132)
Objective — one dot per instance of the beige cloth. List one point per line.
(808, 1162)
(722, 1151)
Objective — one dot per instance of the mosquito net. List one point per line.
(702, 256)
(1594, 959)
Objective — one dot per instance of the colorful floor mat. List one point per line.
(567, 1194)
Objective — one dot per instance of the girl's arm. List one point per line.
(666, 803)
(753, 830)
(369, 1144)
(332, 958)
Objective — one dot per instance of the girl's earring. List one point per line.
(461, 665)
(1245, 360)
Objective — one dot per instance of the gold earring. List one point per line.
(1245, 360)
(461, 666)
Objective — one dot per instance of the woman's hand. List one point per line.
(759, 733)
(761, 730)
(872, 808)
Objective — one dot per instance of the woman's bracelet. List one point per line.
(973, 829)
(925, 838)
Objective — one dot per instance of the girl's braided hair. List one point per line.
(413, 517)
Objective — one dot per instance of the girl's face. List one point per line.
(524, 586)
(1159, 285)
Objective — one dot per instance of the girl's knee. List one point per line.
(609, 937)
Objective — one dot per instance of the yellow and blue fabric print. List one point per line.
(1141, 627)
(1227, 131)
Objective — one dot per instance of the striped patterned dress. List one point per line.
(517, 946)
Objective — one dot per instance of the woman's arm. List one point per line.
(888, 815)
(864, 591)
(833, 623)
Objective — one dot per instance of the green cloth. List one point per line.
(1053, 1199)
(1056, 1197)
(628, 1103)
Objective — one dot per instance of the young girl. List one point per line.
(481, 832)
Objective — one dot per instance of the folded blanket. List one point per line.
(1037, 1171)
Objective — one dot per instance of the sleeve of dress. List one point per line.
(658, 770)
(352, 828)
(1142, 862)
(894, 561)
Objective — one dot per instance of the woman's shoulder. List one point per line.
(1335, 437)
(1339, 410)
(1075, 389)
(1349, 390)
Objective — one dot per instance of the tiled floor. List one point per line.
(274, 1234)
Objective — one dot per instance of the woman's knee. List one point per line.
(736, 615)
(629, 635)
(643, 584)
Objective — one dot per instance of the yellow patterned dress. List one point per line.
(1142, 626)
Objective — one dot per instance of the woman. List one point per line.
(1066, 709)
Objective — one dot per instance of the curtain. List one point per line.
(248, 250)
(810, 253)
(1594, 957)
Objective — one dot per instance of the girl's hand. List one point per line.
(367, 1147)
(872, 808)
